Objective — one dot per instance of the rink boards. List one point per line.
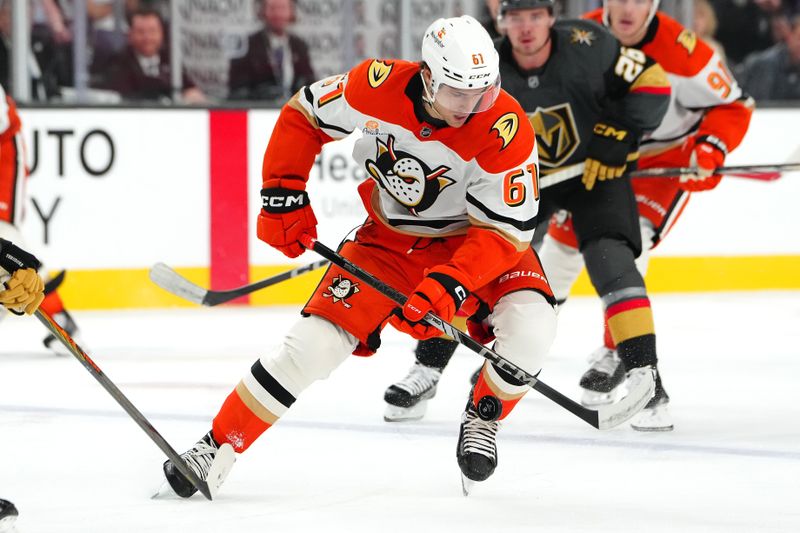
(114, 191)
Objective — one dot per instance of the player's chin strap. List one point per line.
(756, 172)
(606, 417)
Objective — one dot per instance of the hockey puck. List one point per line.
(489, 408)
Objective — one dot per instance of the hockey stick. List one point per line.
(126, 404)
(758, 172)
(608, 416)
(169, 280)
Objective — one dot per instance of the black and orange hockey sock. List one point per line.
(496, 393)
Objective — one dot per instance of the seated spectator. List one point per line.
(142, 71)
(746, 27)
(704, 24)
(42, 62)
(276, 64)
(774, 74)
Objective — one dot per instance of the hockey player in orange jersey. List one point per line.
(707, 118)
(13, 175)
(452, 198)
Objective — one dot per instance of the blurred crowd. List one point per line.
(128, 44)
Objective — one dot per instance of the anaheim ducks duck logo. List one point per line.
(506, 128)
(556, 134)
(687, 39)
(409, 180)
(340, 290)
(378, 72)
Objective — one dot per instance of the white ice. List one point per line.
(73, 461)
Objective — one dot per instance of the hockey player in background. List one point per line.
(590, 101)
(13, 175)
(707, 118)
(452, 201)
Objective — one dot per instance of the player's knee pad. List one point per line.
(612, 268)
(311, 350)
(562, 264)
(524, 325)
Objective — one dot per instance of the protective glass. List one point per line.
(467, 101)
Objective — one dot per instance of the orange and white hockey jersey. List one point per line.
(431, 181)
(12, 162)
(705, 100)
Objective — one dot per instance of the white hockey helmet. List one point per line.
(464, 66)
(653, 9)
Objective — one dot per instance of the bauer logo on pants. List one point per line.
(340, 290)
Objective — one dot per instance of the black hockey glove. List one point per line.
(24, 291)
(12, 257)
(612, 150)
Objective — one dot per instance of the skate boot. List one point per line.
(408, 398)
(63, 319)
(8, 515)
(477, 449)
(199, 459)
(655, 415)
(600, 383)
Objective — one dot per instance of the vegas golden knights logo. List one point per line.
(378, 72)
(556, 134)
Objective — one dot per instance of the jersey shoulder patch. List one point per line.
(678, 49)
(378, 72)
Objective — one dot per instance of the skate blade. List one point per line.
(165, 492)
(653, 429)
(395, 413)
(596, 399)
(220, 468)
(466, 485)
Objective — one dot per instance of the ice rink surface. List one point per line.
(73, 461)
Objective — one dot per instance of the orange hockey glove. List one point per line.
(612, 150)
(708, 154)
(285, 215)
(439, 292)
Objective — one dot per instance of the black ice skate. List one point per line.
(208, 460)
(655, 415)
(601, 382)
(477, 448)
(408, 398)
(8, 515)
(63, 319)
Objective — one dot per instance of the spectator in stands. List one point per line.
(277, 63)
(489, 19)
(142, 70)
(774, 74)
(704, 24)
(42, 63)
(746, 27)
